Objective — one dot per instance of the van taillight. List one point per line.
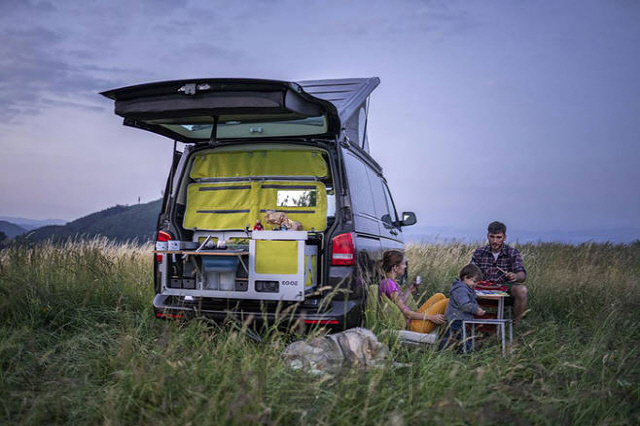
(169, 315)
(322, 322)
(343, 250)
(161, 243)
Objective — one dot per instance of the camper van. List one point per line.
(273, 205)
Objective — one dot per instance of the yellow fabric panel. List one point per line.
(234, 205)
(211, 221)
(310, 270)
(227, 196)
(276, 257)
(309, 217)
(220, 206)
(259, 163)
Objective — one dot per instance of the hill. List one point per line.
(11, 230)
(29, 224)
(118, 223)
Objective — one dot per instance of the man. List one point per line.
(502, 264)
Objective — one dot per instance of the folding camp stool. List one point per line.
(499, 323)
(413, 338)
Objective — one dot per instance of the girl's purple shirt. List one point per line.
(387, 287)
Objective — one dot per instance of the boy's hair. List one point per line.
(391, 258)
(471, 271)
(497, 228)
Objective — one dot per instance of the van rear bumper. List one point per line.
(340, 314)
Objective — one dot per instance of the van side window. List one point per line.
(359, 186)
(392, 207)
(379, 197)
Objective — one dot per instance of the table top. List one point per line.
(491, 294)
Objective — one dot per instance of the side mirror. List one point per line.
(386, 221)
(408, 219)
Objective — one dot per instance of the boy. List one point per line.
(462, 304)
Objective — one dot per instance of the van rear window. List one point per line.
(245, 127)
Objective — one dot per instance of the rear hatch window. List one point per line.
(240, 126)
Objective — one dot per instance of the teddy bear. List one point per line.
(281, 220)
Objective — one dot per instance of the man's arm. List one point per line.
(519, 275)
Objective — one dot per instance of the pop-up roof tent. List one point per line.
(190, 110)
(350, 96)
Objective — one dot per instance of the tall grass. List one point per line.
(565, 283)
(79, 345)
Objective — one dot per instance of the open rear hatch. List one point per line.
(190, 110)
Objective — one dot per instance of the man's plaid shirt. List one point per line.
(509, 259)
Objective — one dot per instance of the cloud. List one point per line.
(64, 56)
(34, 66)
(68, 104)
(27, 5)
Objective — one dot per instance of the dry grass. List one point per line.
(79, 345)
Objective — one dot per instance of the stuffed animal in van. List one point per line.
(281, 219)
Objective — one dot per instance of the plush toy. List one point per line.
(329, 355)
(258, 226)
(281, 220)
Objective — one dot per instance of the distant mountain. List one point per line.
(29, 224)
(119, 223)
(11, 230)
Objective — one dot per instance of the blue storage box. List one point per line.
(220, 263)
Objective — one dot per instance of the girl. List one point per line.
(430, 314)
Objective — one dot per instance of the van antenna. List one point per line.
(214, 131)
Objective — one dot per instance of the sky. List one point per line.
(522, 111)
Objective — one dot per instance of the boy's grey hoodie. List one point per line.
(462, 302)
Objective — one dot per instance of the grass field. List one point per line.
(79, 345)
